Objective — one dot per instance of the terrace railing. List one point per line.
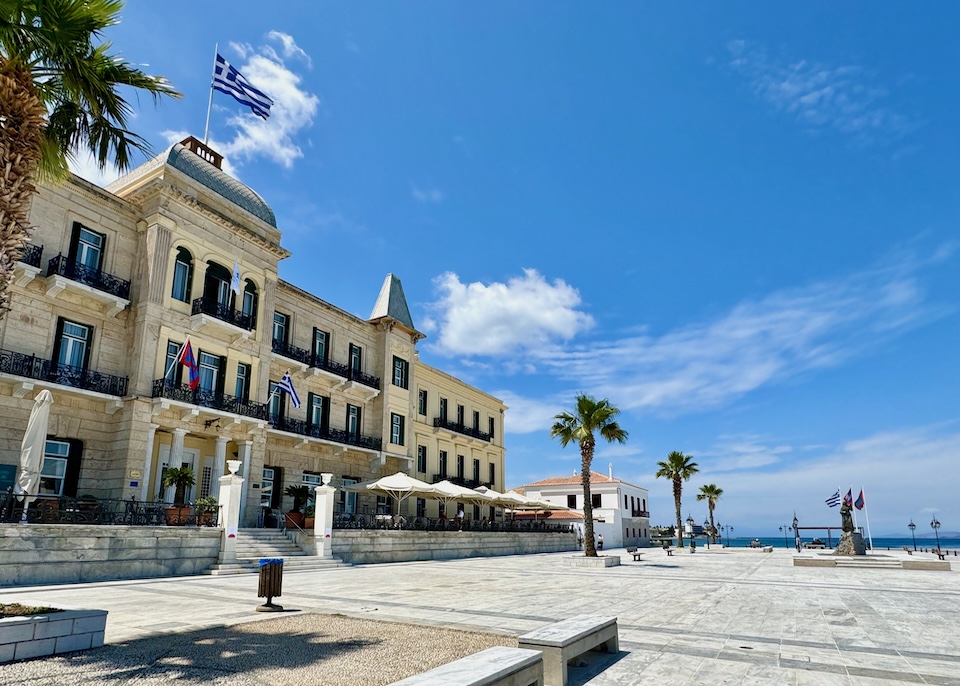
(442, 423)
(224, 313)
(163, 388)
(95, 278)
(42, 369)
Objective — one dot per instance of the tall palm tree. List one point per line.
(579, 426)
(59, 94)
(711, 493)
(679, 468)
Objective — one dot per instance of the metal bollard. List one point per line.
(271, 583)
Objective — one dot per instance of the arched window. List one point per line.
(249, 306)
(182, 276)
(216, 285)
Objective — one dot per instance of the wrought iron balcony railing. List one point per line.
(640, 513)
(34, 367)
(461, 429)
(163, 388)
(224, 313)
(292, 351)
(298, 426)
(31, 254)
(73, 270)
(364, 378)
(330, 366)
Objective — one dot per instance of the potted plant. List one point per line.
(308, 517)
(300, 495)
(205, 508)
(181, 478)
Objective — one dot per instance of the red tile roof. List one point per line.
(595, 478)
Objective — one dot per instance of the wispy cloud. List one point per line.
(85, 166)
(819, 96)
(426, 196)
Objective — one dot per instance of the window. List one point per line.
(491, 423)
(396, 429)
(421, 507)
(275, 405)
(422, 459)
(625, 502)
(383, 507)
(242, 388)
(443, 464)
(311, 479)
(476, 512)
(595, 499)
(72, 344)
(182, 276)
(460, 467)
(476, 470)
(209, 366)
(321, 347)
(353, 421)
(401, 369)
(459, 415)
(86, 247)
(493, 513)
(266, 487)
(572, 501)
(53, 475)
(171, 366)
(216, 285)
(356, 358)
(280, 325)
(318, 412)
(443, 409)
(493, 475)
(476, 421)
(249, 304)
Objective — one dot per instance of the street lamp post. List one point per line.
(706, 527)
(935, 525)
(913, 527)
(796, 532)
(785, 530)
(729, 529)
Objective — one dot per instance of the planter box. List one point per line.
(601, 562)
(59, 632)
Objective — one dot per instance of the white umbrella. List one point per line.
(399, 486)
(447, 490)
(31, 451)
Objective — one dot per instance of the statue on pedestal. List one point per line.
(851, 542)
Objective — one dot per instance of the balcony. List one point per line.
(27, 267)
(64, 273)
(208, 313)
(292, 352)
(302, 428)
(33, 367)
(460, 481)
(221, 402)
(441, 423)
(640, 513)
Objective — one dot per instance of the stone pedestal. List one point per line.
(230, 489)
(323, 517)
(851, 543)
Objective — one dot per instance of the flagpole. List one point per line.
(206, 128)
(176, 359)
(866, 514)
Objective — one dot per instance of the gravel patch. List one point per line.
(331, 650)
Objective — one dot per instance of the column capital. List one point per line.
(153, 427)
(222, 440)
(180, 432)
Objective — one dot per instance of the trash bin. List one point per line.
(271, 583)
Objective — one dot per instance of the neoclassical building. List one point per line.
(116, 280)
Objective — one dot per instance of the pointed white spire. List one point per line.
(392, 303)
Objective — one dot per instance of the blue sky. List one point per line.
(738, 224)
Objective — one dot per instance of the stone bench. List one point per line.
(497, 666)
(563, 641)
(636, 554)
(668, 551)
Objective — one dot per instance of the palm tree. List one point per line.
(59, 94)
(711, 493)
(579, 426)
(679, 468)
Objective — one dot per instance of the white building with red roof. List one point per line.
(619, 508)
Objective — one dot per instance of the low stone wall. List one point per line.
(59, 554)
(22, 638)
(370, 547)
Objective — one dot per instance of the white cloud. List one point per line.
(293, 110)
(426, 196)
(85, 166)
(527, 415)
(819, 96)
(526, 313)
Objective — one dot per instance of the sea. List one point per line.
(878, 543)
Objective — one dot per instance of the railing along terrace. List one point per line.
(292, 351)
(224, 313)
(640, 513)
(95, 278)
(34, 367)
(441, 423)
(31, 254)
(299, 426)
(368, 521)
(163, 388)
(88, 510)
(330, 366)
(364, 378)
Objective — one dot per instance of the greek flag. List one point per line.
(286, 385)
(228, 80)
(834, 500)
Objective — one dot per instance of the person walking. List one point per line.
(599, 541)
(460, 519)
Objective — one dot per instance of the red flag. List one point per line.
(848, 498)
(188, 361)
(860, 501)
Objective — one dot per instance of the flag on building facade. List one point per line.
(286, 385)
(834, 500)
(228, 80)
(235, 279)
(860, 502)
(848, 498)
(189, 361)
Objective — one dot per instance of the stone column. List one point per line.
(231, 486)
(245, 447)
(148, 462)
(175, 458)
(323, 517)
(219, 462)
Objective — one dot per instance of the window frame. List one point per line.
(397, 429)
(422, 397)
(401, 373)
(187, 280)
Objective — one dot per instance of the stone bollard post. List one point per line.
(323, 516)
(230, 488)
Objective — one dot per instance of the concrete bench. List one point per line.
(497, 666)
(636, 554)
(909, 552)
(668, 551)
(563, 641)
(939, 553)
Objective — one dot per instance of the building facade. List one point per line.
(117, 280)
(619, 508)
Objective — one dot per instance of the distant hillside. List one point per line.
(946, 535)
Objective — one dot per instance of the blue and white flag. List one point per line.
(286, 385)
(834, 500)
(235, 279)
(228, 80)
